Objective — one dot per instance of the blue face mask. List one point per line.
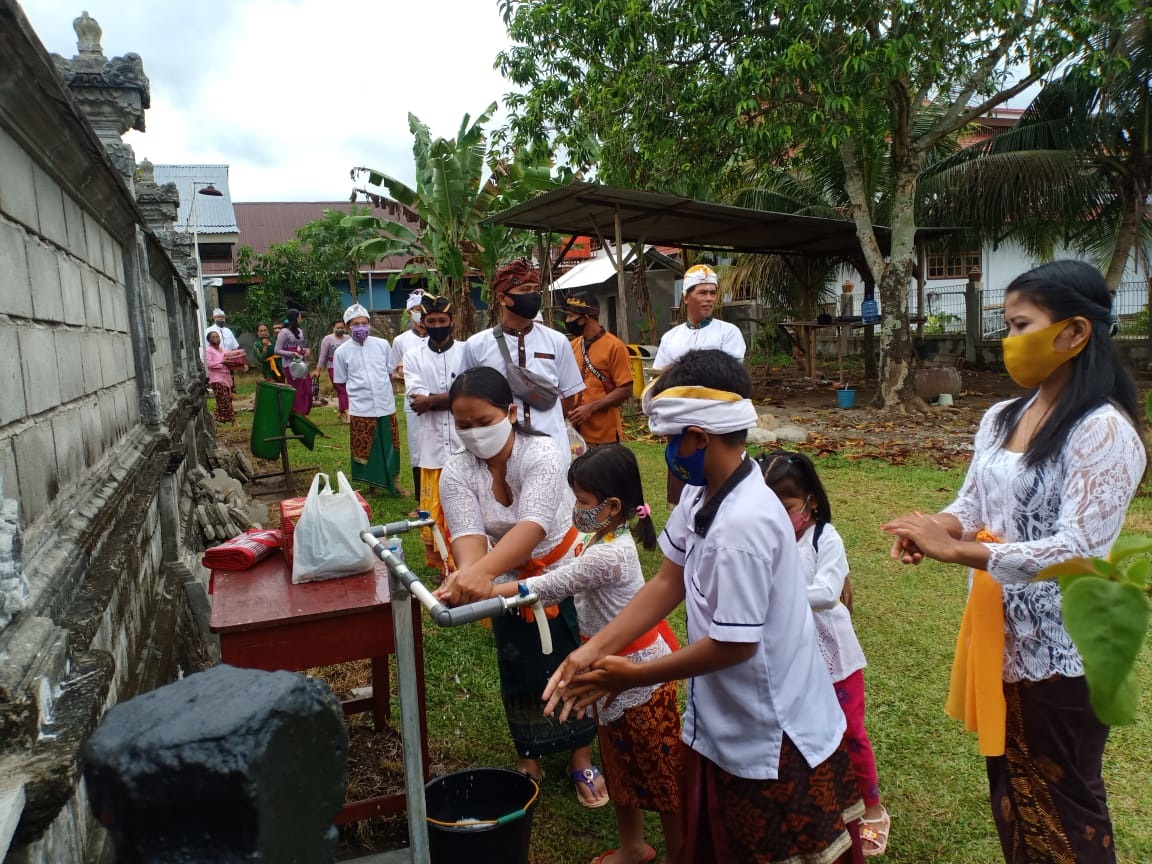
(690, 469)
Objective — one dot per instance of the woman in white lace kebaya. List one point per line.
(640, 728)
(1051, 478)
(509, 515)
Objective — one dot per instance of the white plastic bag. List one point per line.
(327, 540)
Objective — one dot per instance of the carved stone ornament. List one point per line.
(88, 34)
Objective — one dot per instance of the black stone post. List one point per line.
(226, 765)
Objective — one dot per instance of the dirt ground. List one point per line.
(944, 434)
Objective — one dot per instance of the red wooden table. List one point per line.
(266, 622)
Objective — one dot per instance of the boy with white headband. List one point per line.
(699, 331)
(762, 729)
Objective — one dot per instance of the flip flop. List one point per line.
(588, 777)
(649, 855)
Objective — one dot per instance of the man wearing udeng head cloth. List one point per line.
(699, 331)
(530, 345)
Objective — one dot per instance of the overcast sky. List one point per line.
(293, 93)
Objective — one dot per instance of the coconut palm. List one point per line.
(1076, 169)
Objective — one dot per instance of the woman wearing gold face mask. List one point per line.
(1052, 474)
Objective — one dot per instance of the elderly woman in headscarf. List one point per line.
(291, 347)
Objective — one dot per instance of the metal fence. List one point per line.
(944, 310)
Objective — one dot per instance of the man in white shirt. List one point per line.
(429, 370)
(364, 365)
(228, 341)
(699, 331)
(406, 341)
(530, 345)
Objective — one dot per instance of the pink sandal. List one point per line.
(874, 834)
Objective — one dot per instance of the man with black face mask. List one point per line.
(532, 346)
(603, 361)
(429, 370)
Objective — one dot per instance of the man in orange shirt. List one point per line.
(603, 361)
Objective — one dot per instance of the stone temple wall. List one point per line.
(101, 417)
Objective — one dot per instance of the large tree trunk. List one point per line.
(897, 370)
(353, 283)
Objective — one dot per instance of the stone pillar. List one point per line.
(973, 319)
(227, 765)
(113, 94)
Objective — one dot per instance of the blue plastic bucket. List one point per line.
(483, 814)
(846, 397)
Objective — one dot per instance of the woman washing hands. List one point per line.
(1052, 475)
(508, 509)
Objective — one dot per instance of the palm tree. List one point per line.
(458, 184)
(1076, 169)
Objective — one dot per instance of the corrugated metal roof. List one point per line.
(264, 223)
(214, 214)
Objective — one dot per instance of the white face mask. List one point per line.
(484, 442)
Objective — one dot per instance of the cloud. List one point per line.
(291, 95)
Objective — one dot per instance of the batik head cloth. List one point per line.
(717, 412)
(700, 274)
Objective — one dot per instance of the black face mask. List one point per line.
(525, 305)
(574, 327)
(439, 334)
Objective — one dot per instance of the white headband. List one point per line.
(701, 274)
(414, 299)
(355, 311)
(218, 313)
(715, 411)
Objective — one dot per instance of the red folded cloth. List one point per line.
(236, 358)
(242, 552)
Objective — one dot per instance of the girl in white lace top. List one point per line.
(1051, 478)
(639, 729)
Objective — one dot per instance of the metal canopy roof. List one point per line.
(669, 220)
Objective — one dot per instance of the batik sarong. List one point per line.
(224, 412)
(524, 672)
(1047, 791)
(642, 754)
(805, 816)
(375, 451)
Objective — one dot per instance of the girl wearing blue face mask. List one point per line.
(639, 730)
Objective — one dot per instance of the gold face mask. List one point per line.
(1030, 357)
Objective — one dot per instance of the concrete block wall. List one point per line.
(102, 413)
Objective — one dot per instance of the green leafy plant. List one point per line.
(941, 322)
(1106, 612)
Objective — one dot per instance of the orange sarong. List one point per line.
(976, 692)
(536, 566)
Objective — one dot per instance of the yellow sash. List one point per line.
(976, 693)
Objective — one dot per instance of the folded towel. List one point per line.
(243, 551)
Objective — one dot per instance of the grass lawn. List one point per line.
(931, 778)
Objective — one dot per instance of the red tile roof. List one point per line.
(264, 223)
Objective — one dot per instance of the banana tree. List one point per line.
(459, 182)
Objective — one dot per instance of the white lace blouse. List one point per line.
(540, 494)
(826, 568)
(1066, 508)
(603, 579)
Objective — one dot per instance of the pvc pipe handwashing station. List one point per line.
(402, 583)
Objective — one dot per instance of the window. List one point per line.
(952, 265)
